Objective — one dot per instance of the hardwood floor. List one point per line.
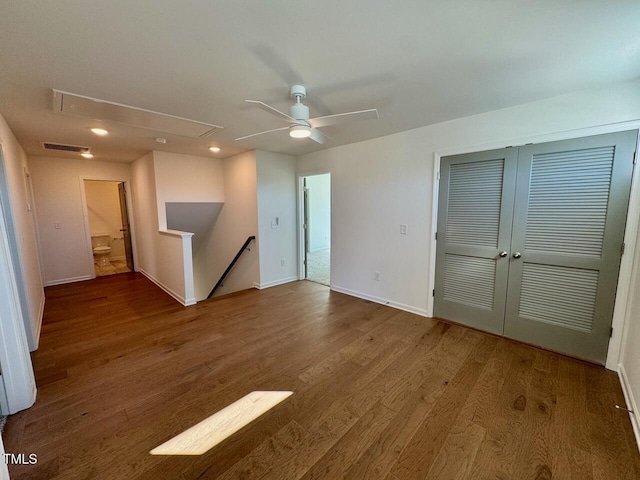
(378, 393)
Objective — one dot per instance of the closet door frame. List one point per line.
(621, 315)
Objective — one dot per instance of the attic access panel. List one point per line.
(96, 109)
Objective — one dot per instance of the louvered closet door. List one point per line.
(568, 228)
(474, 226)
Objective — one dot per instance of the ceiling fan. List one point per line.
(300, 125)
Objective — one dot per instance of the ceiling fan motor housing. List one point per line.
(298, 91)
(299, 111)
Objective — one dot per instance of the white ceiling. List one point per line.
(419, 62)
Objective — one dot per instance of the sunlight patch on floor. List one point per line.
(210, 432)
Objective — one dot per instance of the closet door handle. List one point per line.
(517, 255)
(503, 254)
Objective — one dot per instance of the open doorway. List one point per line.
(316, 228)
(109, 228)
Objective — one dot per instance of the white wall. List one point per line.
(103, 206)
(192, 179)
(57, 183)
(630, 355)
(145, 213)
(186, 178)
(163, 256)
(376, 186)
(319, 187)
(379, 184)
(238, 220)
(276, 182)
(25, 238)
(174, 266)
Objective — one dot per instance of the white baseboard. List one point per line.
(62, 281)
(36, 333)
(282, 281)
(390, 303)
(186, 302)
(631, 402)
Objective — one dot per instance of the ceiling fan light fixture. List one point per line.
(299, 123)
(300, 131)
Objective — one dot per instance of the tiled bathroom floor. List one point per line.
(319, 266)
(116, 266)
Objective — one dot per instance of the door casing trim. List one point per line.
(85, 213)
(300, 207)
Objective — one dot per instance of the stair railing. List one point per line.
(233, 262)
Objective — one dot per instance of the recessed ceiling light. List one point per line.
(100, 131)
(214, 149)
(87, 155)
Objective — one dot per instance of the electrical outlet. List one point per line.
(275, 223)
(282, 263)
(376, 276)
(403, 229)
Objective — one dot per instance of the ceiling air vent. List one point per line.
(65, 148)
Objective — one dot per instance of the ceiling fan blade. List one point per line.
(318, 136)
(273, 111)
(344, 117)
(262, 133)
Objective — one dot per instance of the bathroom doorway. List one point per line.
(109, 227)
(316, 228)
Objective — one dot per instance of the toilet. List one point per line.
(101, 249)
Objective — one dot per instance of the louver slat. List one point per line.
(475, 194)
(568, 199)
(559, 295)
(469, 280)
